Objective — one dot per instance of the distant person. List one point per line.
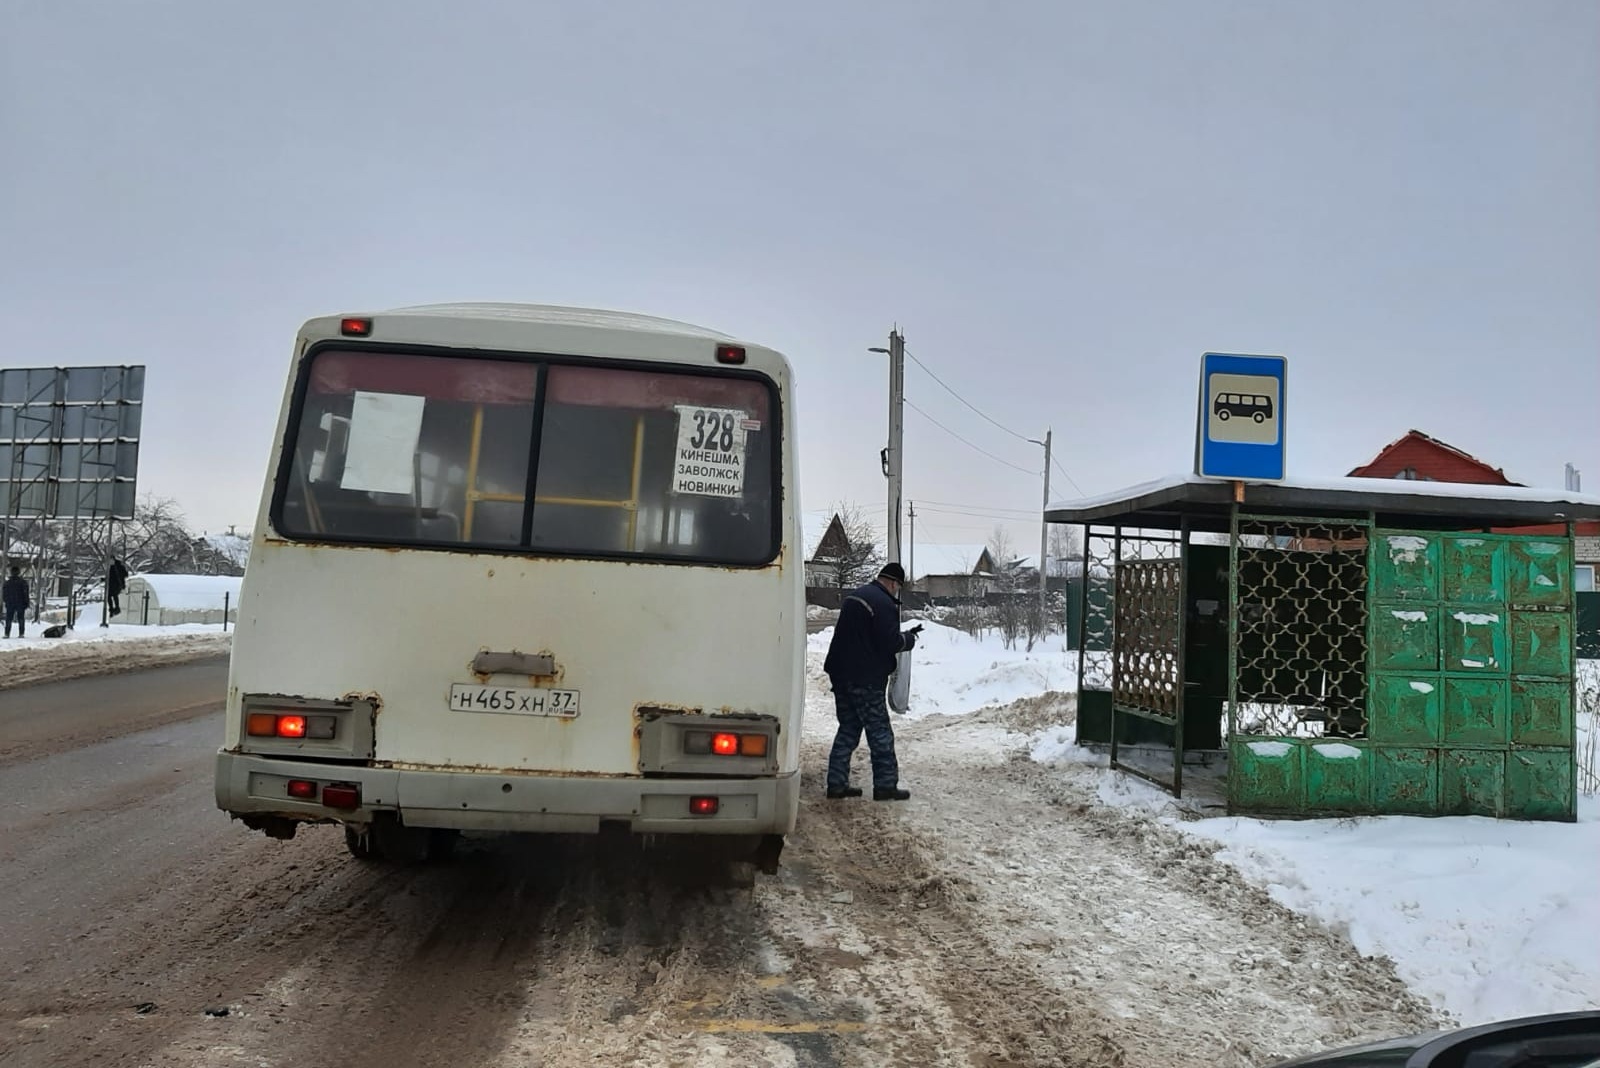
(15, 595)
(116, 582)
(860, 660)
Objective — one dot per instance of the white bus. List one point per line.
(522, 568)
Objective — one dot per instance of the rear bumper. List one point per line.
(521, 801)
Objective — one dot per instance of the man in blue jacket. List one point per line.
(15, 595)
(860, 660)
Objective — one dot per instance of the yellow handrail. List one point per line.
(473, 495)
(472, 472)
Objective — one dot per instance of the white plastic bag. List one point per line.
(900, 683)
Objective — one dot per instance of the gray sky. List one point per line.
(1062, 204)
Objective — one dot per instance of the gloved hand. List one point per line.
(910, 637)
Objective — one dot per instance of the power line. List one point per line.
(1005, 514)
(1066, 476)
(987, 418)
(969, 404)
(967, 443)
(985, 509)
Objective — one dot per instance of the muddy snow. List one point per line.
(1025, 907)
(104, 651)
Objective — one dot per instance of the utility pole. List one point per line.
(893, 453)
(911, 548)
(1044, 537)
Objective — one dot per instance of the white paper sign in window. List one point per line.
(710, 456)
(384, 428)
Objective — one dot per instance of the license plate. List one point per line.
(514, 700)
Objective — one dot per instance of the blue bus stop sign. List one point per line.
(1241, 417)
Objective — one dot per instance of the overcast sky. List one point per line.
(1062, 204)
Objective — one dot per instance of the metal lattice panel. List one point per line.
(1299, 608)
(1145, 674)
(1099, 622)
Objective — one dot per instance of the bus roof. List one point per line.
(558, 315)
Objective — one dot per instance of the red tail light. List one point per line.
(704, 806)
(291, 726)
(730, 354)
(304, 789)
(341, 795)
(353, 327)
(725, 744)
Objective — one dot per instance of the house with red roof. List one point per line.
(1425, 458)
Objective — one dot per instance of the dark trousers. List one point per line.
(18, 614)
(862, 709)
(114, 603)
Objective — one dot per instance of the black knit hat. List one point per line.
(893, 571)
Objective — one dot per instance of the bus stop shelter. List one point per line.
(1334, 646)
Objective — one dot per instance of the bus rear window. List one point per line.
(655, 463)
(430, 450)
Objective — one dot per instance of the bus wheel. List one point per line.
(442, 844)
(766, 856)
(1260, 418)
(361, 844)
(398, 843)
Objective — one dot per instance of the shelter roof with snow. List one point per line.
(1208, 503)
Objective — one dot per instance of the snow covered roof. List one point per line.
(189, 592)
(1160, 502)
(933, 559)
(558, 315)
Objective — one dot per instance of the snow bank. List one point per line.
(90, 632)
(1488, 919)
(93, 650)
(953, 673)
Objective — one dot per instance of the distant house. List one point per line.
(1421, 457)
(23, 554)
(953, 571)
(822, 568)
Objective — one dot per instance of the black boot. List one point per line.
(893, 793)
(848, 791)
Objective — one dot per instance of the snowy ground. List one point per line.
(1487, 919)
(1025, 907)
(90, 649)
(953, 673)
(1161, 954)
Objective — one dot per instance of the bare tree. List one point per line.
(1008, 611)
(854, 561)
(1065, 546)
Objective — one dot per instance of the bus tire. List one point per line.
(399, 843)
(1223, 415)
(442, 844)
(1260, 418)
(361, 844)
(766, 854)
